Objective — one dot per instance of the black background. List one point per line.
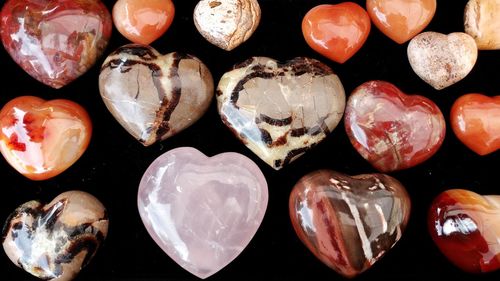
(114, 163)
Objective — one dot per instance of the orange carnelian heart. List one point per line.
(336, 31)
(41, 139)
(475, 119)
(401, 20)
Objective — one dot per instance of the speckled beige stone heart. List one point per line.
(442, 60)
(227, 23)
(482, 22)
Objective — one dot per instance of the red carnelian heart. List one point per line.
(475, 119)
(41, 139)
(336, 31)
(391, 130)
(466, 228)
(55, 41)
(400, 20)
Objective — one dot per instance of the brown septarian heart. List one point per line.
(466, 228)
(349, 222)
(55, 41)
(153, 96)
(279, 111)
(54, 241)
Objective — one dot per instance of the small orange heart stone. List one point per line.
(336, 31)
(401, 20)
(142, 21)
(41, 139)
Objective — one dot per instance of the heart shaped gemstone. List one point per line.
(55, 41)
(55, 241)
(227, 23)
(279, 111)
(466, 228)
(153, 96)
(482, 21)
(400, 20)
(143, 21)
(349, 222)
(442, 60)
(202, 211)
(336, 31)
(475, 119)
(41, 139)
(391, 130)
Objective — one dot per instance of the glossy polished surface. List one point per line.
(349, 222)
(482, 22)
(202, 211)
(475, 119)
(41, 139)
(280, 111)
(143, 21)
(55, 241)
(391, 130)
(400, 20)
(336, 31)
(155, 96)
(466, 228)
(55, 41)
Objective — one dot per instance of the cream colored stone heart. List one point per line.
(227, 23)
(442, 60)
(482, 22)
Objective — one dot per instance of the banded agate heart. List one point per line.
(349, 223)
(202, 211)
(280, 110)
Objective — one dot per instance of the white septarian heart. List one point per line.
(54, 241)
(279, 111)
(153, 96)
(227, 23)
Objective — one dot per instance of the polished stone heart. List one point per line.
(55, 41)
(153, 96)
(349, 223)
(41, 139)
(400, 20)
(336, 31)
(279, 111)
(55, 241)
(391, 130)
(227, 23)
(202, 211)
(466, 228)
(475, 119)
(442, 60)
(482, 22)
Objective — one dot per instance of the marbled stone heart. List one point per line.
(442, 60)
(202, 211)
(482, 22)
(466, 228)
(391, 130)
(349, 223)
(153, 96)
(227, 23)
(475, 119)
(55, 241)
(55, 41)
(400, 20)
(279, 111)
(41, 139)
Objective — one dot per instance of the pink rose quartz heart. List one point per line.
(202, 211)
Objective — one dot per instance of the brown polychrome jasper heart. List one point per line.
(349, 222)
(279, 111)
(153, 96)
(54, 241)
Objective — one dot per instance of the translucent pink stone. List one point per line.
(202, 211)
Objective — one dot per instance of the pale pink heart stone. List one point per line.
(202, 211)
